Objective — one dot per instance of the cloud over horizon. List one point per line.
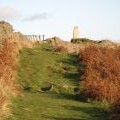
(41, 16)
(8, 13)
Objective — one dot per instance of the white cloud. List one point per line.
(8, 13)
(37, 17)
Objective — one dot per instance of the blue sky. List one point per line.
(97, 19)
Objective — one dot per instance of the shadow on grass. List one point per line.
(73, 77)
(72, 60)
(93, 113)
(67, 96)
(72, 69)
(62, 118)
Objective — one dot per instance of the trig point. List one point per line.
(76, 34)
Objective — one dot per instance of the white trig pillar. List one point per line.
(76, 33)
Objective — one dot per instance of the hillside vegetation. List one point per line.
(42, 66)
(101, 80)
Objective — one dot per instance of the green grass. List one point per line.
(40, 66)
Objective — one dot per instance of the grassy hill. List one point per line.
(40, 67)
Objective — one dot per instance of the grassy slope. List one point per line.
(39, 66)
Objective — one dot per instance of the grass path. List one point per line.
(41, 66)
